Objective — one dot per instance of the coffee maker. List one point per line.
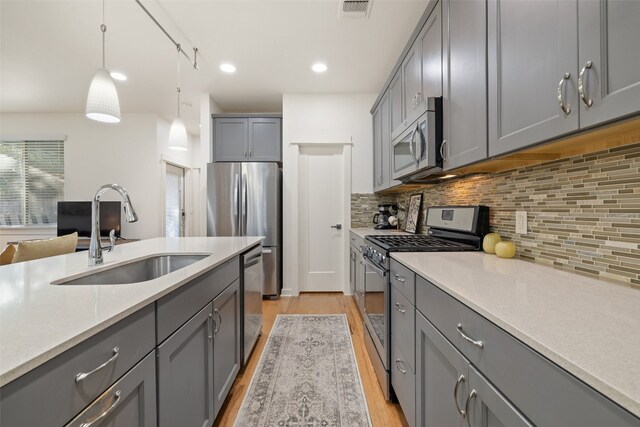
(381, 219)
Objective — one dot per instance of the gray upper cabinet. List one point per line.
(396, 105)
(226, 342)
(411, 71)
(265, 139)
(609, 59)
(532, 47)
(464, 81)
(430, 44)
(247, 139)
(377, 149)
(231, 139)
(185, 374)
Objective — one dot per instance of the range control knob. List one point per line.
(383, 258)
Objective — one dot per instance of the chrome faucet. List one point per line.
(95, 246)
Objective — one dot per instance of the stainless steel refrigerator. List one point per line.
(245, 199)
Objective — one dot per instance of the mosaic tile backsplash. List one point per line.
(364, 206)
(583, 212)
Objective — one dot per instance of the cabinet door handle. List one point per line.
(398, 362)
(465, 337)
(399, 278)
(565, 108)
(210, 321)
(473, 394)
(455, 395)
(218, 324)
(581, 89)
(82, 375)
(250, 152)
(444, 141)
(398, 307)
(245, 153)
(116, 401)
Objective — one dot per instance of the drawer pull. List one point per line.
(116, 401)
(466, 406)
(398, 362)
(399, 278)
(401, 310)
(472, 341)
(209, 322)
(82, 375)
(455, 395)
(218, 324)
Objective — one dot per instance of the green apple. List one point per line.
(489, 242)
(505, 249)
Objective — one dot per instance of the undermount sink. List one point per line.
(141, 270)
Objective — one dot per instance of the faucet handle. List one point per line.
(112, 241)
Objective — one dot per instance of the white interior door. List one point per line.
(322, 219)
(174, 201)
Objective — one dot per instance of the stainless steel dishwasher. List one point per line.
(252, 285)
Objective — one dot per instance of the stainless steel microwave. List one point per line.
(416, 151)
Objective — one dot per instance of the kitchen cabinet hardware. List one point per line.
(565, 108)
(82, 375)
(581, 89)
(218, 324)
(399, 308)
(116, 401)
(210, 327)
(472, 395)
(466, 338)
(442, 152)
(460, 380)
(337, 226)
(399, 278)
(398, 362)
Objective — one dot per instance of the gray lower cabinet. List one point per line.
(185, 374)
(532, 47)
(352, 271)
(464, 83)
(130, 402)
(609, 59)
(247, 139)
(226, 343)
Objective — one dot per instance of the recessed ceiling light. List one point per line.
(228, 68)
(118, 76)
(319, 67)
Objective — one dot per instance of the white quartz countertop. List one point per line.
(39, 321)
(586, 326)
(370, 231)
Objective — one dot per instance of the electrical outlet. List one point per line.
(521, 222)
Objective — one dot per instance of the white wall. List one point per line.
(335, 118)
(127, 153)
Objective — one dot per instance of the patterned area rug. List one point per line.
(307, 376)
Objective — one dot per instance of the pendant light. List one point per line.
(178, 132)
(102, 101)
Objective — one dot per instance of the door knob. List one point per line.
(337, 226)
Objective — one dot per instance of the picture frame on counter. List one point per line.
(413, 213)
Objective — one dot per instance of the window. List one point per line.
(31, 181)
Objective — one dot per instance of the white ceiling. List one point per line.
(50, 49)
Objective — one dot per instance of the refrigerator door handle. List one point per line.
(244, 205)
(236, 197)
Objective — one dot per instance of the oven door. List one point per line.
(376, 303)
(405, 158)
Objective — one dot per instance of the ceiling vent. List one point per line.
(354, 9)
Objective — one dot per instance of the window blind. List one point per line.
(31, 181)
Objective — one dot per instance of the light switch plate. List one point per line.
(521, 222)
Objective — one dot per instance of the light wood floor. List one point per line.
(382, 413)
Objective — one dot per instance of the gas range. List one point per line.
(451, 228)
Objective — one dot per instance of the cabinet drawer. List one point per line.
(544, 392)
(356, 241)
(129, 402)
(175, 309)
(52, 387)
(403, 325)
(403, 381)
(404, 280)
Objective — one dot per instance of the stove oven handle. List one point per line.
(375, 268)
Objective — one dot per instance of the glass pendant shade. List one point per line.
(102, 102)
(178, 135)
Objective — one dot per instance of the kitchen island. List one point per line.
(44, 324)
